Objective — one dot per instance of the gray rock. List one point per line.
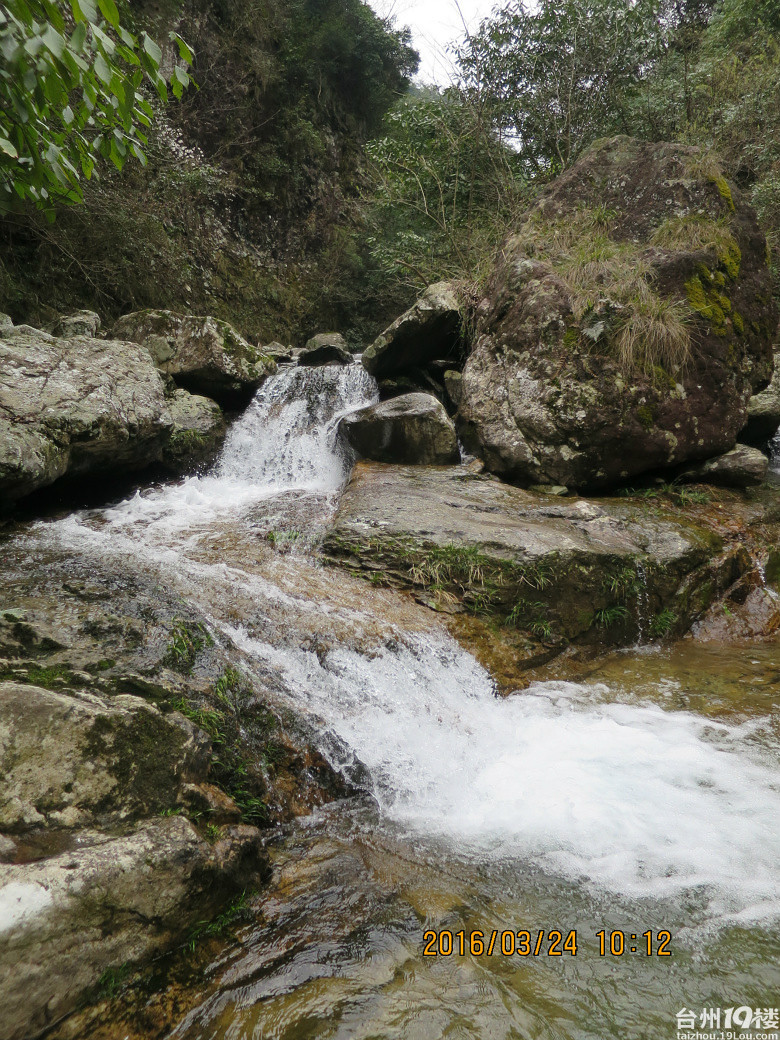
(591, 571)
(5, 322)
(740, 468)
(328, 348)
(453, 384)
(198, 430)
(327, 339)
(106, 904)
(428, 331)
(556, 390)
(764, 410)
(414, 428)
(80, 323)
(203, 354)
(67, 759)
(75, 406)
(279, 353)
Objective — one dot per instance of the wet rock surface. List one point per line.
(138, 763)
(560, 571)
(557, 389)
(412, 428)
(67, 919)
(203, 354)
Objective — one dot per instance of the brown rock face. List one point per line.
(626, 324)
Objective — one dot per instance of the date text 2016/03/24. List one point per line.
(446, 943)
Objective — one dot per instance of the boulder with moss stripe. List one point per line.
(627, 323)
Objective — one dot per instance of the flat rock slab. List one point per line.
(577, 565)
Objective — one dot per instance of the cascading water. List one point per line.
(657, 808)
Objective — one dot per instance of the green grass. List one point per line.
(187, 640)
(663, 623)
(644, 329)
(237, 910)
(609, 617)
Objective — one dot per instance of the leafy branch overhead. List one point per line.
(75, 87)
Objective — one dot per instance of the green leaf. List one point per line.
(102, 69)
(8, 148)
(52, 39)
(78, 37)
(152, 49)
(184, 51)
(109, 12)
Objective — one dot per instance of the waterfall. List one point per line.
(629, 798)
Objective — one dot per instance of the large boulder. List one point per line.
(203, 354)
(626, 324)
(413, 428)
(75, 406)
(428, 331)
(764, 411)
(198, 430)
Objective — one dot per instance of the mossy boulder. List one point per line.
(626, 325)
(198, 431)
(69, 759)
(75, 407)
(203, 354)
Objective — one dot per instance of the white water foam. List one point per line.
(287, 440)
(640, 801)
(637, 800)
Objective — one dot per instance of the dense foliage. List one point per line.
(249, 205)
(305, 185)
(72, 90)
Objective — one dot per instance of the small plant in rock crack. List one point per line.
(608, 617)
(663, 623)
(624, 584)
(232, 690)
(186, 642)
(236, 911)
(531, 617)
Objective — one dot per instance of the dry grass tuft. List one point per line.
(648, 331)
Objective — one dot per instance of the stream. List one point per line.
(645, 800)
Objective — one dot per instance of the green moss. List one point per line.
(724, 191)
(645, 415)
(571, 337)
(730, 259)
(706, 303)
(738, 323)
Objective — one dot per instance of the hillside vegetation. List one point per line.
(306, 184)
